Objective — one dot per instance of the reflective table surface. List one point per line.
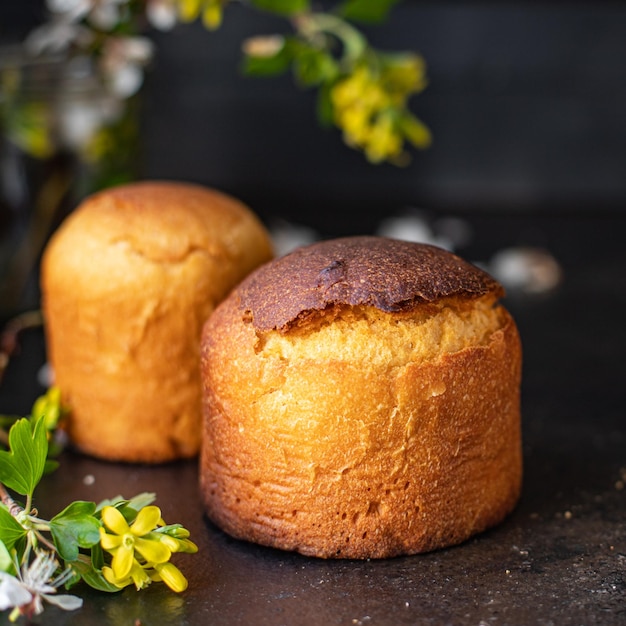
(560, 558)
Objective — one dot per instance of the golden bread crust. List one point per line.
(127, 283)
(388, 274)
(360, 432)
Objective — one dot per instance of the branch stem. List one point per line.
(14, 508)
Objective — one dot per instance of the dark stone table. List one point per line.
(559, 559)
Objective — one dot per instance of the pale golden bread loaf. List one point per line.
(361, 400)
(127, 282)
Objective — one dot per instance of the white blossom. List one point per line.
(57, 36)
(122, 63)
(79, 119)
(70, 10)
(162, 14)
(527, 269)
(263, 46)
(126, 80)
(106, 14)
(35, 584)
(12, 592)
(412, 227)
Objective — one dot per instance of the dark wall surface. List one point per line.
(526, 102)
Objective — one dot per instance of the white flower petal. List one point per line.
(72, 10)
(105, 17)
(263, 46)
(37, 605)
(64, 601)
(39, 572)
(12, 592)
(126, 80)
(78, 122)
(54, 37)
(162, 15)
(138, 49)
(65, 6)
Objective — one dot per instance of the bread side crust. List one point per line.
(357, 461)
(127, 283)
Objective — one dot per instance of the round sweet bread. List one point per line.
(128, 281)
(361, 400)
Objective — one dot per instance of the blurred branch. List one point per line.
(326, 51)
(9, 338)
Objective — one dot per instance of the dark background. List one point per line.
(526, 102)
(527, 105)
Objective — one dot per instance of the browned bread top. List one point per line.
(388, 274)
(164, 221)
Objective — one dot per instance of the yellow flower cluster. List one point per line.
(210, 11)
(140, 552)
(369, 106)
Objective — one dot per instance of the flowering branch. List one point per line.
(362, 91)
(108, 546)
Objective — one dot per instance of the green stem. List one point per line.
(45, 542)
(311, 25)
(38, 524)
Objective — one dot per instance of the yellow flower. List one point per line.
(212, 15)
(49, 407)
(359, 89)
(384, 141)
(131, 544)
(171, 576)
(141, 551)
(369, 106)
(405, 74)
(355, 122)
(209, 10)
(138, 576)
(189, 10)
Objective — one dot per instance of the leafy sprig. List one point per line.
(108, 546)
(362, 91)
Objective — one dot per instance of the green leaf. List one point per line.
(74, 528)
(6, 562)
(128, 508)
(137, 502)
(324, 108)
(21, 468)
(141, 500)
(11, 531)
(369, 11)
(282, 7)
(97, 557)
(175, 530)
(94, 578)
(314, 67)
(268, 65)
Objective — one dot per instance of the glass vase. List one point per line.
(62, 137)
